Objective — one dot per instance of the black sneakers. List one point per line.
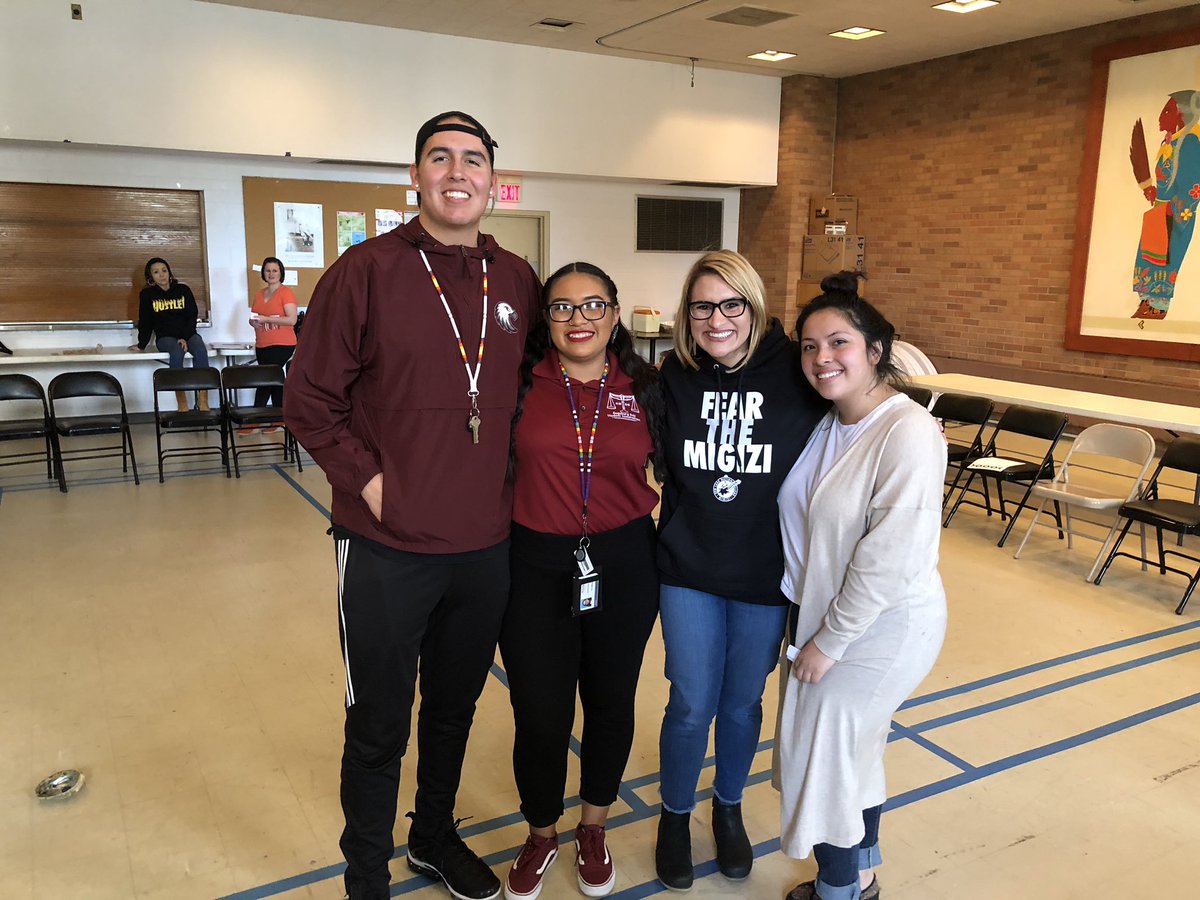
(444, 856)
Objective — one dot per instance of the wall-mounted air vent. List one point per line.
(679, 224)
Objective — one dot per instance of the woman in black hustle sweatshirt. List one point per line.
(167, 309)
(739, 410)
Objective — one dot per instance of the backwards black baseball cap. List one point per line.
(439, 123)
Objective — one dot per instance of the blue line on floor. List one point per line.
(1045, 664)
(899, 731)
(967, 776)
(1037, 753)
(702, 870)
(1053, 687)
(303, 493)
(647, 889)
(500, 675)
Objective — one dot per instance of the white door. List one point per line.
(522, 233)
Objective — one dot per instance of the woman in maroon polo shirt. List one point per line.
(584, 580)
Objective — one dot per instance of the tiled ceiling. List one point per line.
(671, 30)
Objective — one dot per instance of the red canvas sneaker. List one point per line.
(524, 881)
(593, 864)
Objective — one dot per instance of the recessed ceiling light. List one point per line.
(771, 55)
(966, 6)
(856, 33)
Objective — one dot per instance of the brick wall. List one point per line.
(967, 170)
(773, 220)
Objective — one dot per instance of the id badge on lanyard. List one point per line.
(585, 584)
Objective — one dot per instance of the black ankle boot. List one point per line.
(673, 851)
(735, 856)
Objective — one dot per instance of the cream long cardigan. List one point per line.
(871, 598)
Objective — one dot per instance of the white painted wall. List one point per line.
(589, 219)
(209, 93)
(187, 75)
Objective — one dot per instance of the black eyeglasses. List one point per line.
(592, 310)
(730, 309)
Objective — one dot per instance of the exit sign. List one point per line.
(509, 193)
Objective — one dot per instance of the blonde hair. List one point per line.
(735, 270)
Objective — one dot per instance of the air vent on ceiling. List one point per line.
(751, 16)
(678, 224)
(553, 24)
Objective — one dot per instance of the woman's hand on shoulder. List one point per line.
(811, 664)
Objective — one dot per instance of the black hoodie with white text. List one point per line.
(731, 439)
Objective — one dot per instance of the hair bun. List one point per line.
(845, 282)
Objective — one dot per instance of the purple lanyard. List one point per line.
(585, 457)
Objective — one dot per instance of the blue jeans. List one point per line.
(719, 654)
(838, 867)
(195, 346)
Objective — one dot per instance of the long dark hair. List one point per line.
(646, 386)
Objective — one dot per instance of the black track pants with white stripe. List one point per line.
(401, 614)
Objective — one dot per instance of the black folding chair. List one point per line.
(961, 417)
(1006, 462)
(918, 395)
(193, 421)
(1164, 514)
(22, 388)
(238, 378)
(90, 384)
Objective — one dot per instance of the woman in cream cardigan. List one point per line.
(860, 517)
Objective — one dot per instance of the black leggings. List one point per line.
(548, 653)
(272, 356)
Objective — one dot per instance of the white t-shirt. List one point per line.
(829, 443)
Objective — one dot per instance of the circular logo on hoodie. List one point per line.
(506, 317)
(725, 488)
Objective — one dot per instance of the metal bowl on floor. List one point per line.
(60, 785)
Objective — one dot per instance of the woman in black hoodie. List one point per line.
(739, 410)
(167, 309)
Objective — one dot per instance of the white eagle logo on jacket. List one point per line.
(506, 317)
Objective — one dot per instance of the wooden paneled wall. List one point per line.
(76, 253)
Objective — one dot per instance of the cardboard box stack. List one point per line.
(832, 243)
(833, 214)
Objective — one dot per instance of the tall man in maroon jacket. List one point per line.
(403, 390)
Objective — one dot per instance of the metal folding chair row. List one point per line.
(229, 417)
(54, 424)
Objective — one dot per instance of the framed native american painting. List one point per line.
(1135, 281)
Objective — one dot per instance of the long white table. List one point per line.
(1107, 408)
(94, 355)
(230, 352)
